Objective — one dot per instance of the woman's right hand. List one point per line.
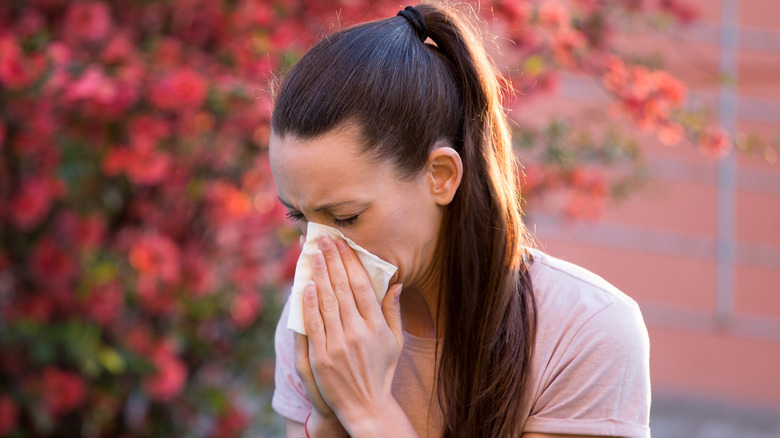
(323, 421)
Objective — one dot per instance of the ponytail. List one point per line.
(406, 95)
(488, 305)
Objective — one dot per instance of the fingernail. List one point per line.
(325, 241)
(319, 259)
(397, 296)
(310, 290)
(341, 245)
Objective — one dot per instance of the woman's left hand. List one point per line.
(353, 345)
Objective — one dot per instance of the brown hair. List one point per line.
(406, 95)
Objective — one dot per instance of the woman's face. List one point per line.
(326, 180)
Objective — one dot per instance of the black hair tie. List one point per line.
(416, 19)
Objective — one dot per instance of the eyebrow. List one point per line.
(323, 207)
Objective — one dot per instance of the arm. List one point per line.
(293, 429)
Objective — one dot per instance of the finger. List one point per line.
(328, 304)
(339, 280)
(302, 365)
(365, 299)
(391, 309)
(312, 317)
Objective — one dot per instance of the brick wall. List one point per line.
(699, 247)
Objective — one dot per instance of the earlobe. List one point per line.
(445, 170)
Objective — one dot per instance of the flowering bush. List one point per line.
(143, 254)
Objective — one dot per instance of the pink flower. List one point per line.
(245, 308)
(92, 85)
(8, 415)
(170, 376)
(183, 89)
(87, 21)
(553, 15)
(62, 391)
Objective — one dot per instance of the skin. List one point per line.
(348, 360)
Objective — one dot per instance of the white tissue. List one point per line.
(378, 270)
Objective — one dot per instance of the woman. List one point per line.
(394, 132)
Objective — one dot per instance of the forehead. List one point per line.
(328, 168)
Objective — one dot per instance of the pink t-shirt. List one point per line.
(589, 374)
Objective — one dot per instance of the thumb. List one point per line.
(391, 308)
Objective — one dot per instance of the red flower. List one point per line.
(105, 303)
(228, 202)
(142, 164)
(149, 167)
(87, 21)
(62, 391)
(3, 132)
(14, 69)
(155, 297)
(38, 307)
(168, 381)
(32, 201)
(714, 143)
(8, 415)
(183, 89)
(156, 256)
(51, 264)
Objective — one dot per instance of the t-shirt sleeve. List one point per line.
(289, 398)
(600, 381)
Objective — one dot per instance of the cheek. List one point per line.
(404, 232)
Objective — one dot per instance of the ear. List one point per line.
(445, 171)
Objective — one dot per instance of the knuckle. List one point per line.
(330, 304)
(314, 326)
(363, 288)
(341, 285)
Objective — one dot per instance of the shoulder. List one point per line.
(591, 355)
(569, 296)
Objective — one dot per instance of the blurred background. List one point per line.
(144, 257)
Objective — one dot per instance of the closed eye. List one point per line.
(295, 216)
(345, 222)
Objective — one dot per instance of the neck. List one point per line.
(419, 309)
